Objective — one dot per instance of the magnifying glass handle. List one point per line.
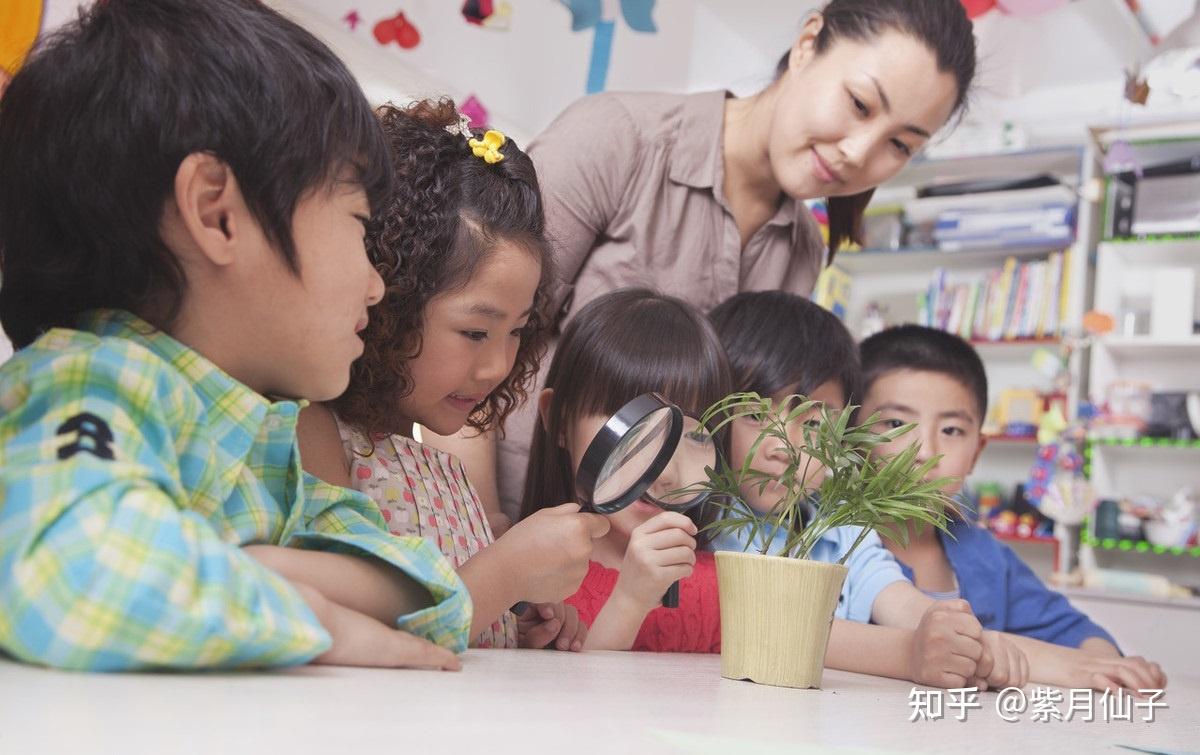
(671, 599)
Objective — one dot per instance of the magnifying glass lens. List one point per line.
(633, 456)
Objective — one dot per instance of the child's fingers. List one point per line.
(960, 666)
(597, 525)
(968, 647)
(667, 520)
(677, 572)
(986, 664)
(680, 555)
(570, 625)
(1139, 670)
(541, 635)
(581, 632)
(414, 652)
(1151, 672)
(669, 538)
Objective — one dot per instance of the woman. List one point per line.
(702, 195)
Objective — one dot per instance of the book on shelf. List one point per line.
(832, 290)
(1021, 300)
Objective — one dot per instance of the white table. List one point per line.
(534, 702)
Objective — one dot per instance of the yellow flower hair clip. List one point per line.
(488, 147)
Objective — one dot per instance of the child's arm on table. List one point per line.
(661, 551)
(363, 584)
(946, 649)
(901, 604)
(1100, 646)
(359, 640)
(1077, 669)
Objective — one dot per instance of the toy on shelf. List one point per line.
(1174, 525)
(1016, 413)
(1126, 411)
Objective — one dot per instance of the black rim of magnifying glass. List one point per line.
(606, 441)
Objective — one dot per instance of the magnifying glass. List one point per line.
(648, 441)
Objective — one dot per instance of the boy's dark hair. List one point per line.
(94, 126)
(623, 344)
(778, 341)
(941, 25)
(914, 347)
(448, 212)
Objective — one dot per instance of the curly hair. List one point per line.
(448, 211)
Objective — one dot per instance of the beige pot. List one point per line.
(776, 614)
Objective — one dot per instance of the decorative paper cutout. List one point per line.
(397, 29)
(352, 19)
(589, 14)
(20, 23)
(489, 14)
(475, 111)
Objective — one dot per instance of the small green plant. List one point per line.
(877, 493)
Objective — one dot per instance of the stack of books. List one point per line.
(1040, 216)
(1021, 300)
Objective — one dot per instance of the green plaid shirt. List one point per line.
(131, 470)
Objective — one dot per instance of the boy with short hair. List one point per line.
(914, 374)
(186, 187)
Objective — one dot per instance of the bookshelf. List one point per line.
(1129, 277)
(894, 278)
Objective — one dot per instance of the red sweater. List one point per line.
(693, 627)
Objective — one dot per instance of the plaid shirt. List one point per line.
(131, 470)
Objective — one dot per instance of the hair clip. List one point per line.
(488, 147)
(462, 128)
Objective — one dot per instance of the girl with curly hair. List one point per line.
(455, 342)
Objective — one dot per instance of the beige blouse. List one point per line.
(633, 191)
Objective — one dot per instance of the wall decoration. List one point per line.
(976, 8)
(475, 112)
(590, 14)
(397, 29)
(489, 14)
(352, 20)
(20, 23)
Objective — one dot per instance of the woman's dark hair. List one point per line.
(941, 25)
(626, 343)
(777, 341)
(94, 126)
(446, 215)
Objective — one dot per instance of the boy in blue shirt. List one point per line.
(913, 374)
(185, 191)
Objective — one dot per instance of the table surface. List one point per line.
(534, 702)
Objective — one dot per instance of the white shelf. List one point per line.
(1147, 347)
(1113, 596)
(1182, 251)
(1056, 161)
(926, 258)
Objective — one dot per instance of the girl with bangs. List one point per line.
(624, 344)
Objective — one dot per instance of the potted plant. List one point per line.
(777, 608)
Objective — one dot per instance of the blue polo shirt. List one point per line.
(870, 568)
(1005, 594)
